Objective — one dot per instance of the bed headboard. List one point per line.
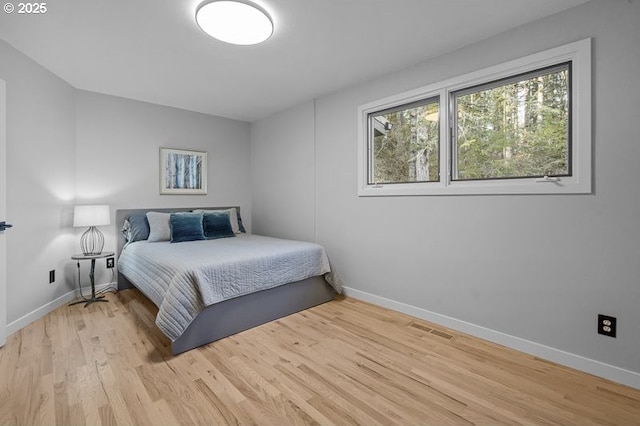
(122, 215)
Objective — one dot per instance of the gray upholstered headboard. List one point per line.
(122, 215)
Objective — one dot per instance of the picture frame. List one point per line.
(183, 172)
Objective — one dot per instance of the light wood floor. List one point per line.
(345, 362)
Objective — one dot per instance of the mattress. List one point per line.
(184, 278)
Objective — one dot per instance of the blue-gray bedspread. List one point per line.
(184, 278)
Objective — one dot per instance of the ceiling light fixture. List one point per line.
(234, 22)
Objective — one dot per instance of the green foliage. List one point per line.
(515, 130)
(518, 129)
(407, 149)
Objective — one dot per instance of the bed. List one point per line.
(256, 279)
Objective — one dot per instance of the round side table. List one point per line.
(92, 258)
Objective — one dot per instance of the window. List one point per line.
(517, 128)
(513, 128)
(404, 143)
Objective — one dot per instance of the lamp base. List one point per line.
(92, 241)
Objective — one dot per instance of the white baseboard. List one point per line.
(597, 368)
(36, 314)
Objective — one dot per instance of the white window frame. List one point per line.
(580, 181)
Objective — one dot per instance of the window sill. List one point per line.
(564, 185)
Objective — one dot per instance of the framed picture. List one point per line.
(183, 171)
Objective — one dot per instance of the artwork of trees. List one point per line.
(183, 171)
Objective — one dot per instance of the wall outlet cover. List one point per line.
(110, 262)
(607, 325)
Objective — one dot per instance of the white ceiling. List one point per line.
(152, 50)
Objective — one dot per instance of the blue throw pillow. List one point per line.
(240, 225)
(186, 227)
(138, 227)
(217, 225)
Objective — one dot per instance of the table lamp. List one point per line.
(92, 240)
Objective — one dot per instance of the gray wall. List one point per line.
(282, 166)
(538, 268)
(66, 146)
(118, 152)
(40, 182)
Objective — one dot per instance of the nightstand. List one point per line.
(92, 258)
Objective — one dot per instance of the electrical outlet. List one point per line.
(110, 262)
(52, 276)
(607, 325)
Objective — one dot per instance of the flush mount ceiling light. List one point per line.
(234, 22)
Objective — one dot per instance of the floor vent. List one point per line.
(431, 330)
(420, 327)
(442, 334)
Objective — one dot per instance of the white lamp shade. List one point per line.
(91, 215)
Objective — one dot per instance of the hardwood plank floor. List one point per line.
(344, 362)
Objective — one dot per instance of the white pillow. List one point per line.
(159, 228)
(233, 217)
